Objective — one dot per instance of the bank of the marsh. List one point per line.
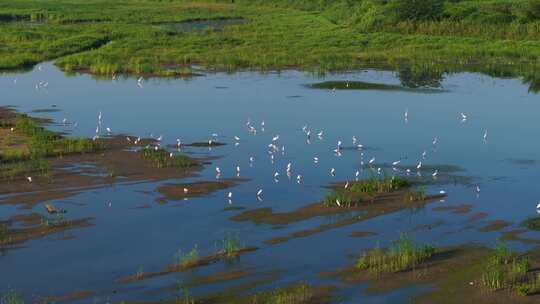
(113, 37)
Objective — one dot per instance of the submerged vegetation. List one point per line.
(403, 255)
(421, 38)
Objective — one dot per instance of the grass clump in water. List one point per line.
(295, 294)
(231, 245)
(403, 255)
(506, 270)
(366, 190)
(187, 259)
(532, 223)
(161, 158)
(11, 297)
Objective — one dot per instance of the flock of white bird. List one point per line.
(274, 147)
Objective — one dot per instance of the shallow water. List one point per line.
(124, 240)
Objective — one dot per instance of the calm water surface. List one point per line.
(124, 240)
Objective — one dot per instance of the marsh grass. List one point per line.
(161, 158)
(231, 245)
(186, 259)
(11, 297)
(40, 144)
(295, 294)
(4, 233)
(58, 220)
(532, 223)
(403, 255)
(507, 270)
(366, 190)
(13, 170)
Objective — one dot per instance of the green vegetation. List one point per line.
(506, 270)
(295, 294)
(403, 255)
(161, 158)
(532, 223)
(230, 245)
(189, 258)
(366, 190)
(35, 145)
(497, 37)
(11, 297)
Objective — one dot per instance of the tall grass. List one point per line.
(188, 258)
(11, 297)
(506, 270)
(230, 245)
(404, 254)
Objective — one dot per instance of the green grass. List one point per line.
(11, 297)
(295, 294)
(188, 258)
(532, 223)
(230, 245)
(39, 144)
(120, 36)
(404, 254)
(161, 158)
(507, 270)
(13, 170)
(365, 190)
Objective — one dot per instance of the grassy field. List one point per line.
(497, 37)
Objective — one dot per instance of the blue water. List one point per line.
(123, 240)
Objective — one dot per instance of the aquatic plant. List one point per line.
(186, 259)
(295, 294)
(419, 194)
(11, 297)
(365, 190)
(4, 237)
(230, 245)
(161, 158)
(140, 272)
(404, 254)
(532, 223)
(504, 269)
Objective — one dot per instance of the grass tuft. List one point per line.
(403, 255)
